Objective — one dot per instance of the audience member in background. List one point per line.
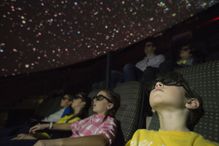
(143, 69)
(179, 109)
(186, 57)
(80, 106)
(100, 129)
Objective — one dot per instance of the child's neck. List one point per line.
(77, 110)
(101, 114)
(173, 120)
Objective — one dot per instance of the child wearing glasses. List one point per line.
(80, 105)
(99, 129)
(179, 110)
(65, 102)
(65, 109)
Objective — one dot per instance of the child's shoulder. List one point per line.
(145, 132)
(112, 119)
(200, 140)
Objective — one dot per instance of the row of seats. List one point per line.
(133, 110)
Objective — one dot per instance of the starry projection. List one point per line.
(45, 34)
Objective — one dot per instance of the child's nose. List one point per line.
(94, 100)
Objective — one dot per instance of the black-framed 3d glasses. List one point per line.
(175, 82)
(66, 98)
(101, 97)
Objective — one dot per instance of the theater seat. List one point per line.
(204, 78)
(131, 113)
(48, 106)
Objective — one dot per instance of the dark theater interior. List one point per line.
(109, 61)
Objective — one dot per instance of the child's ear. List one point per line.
(153, 110)
(110, 106)
(192, 103)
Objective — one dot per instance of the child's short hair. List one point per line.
(176, 79)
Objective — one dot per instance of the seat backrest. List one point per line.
(204, 78)
(48, 106)
(131, 111)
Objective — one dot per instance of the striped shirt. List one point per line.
(95, 125)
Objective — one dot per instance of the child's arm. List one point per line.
(65, 126)
(96, 140)
(50, 126)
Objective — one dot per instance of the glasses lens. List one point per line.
(170, 81)
(98, 98)
(101, 97)
(65, 98)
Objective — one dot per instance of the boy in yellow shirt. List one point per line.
(179, 110)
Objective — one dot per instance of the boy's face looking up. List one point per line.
(169, 97)
(173, 99)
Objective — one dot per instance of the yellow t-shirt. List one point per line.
(144, 137)
(66, 117)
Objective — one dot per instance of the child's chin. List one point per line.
(156, 103)
(94, 110)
